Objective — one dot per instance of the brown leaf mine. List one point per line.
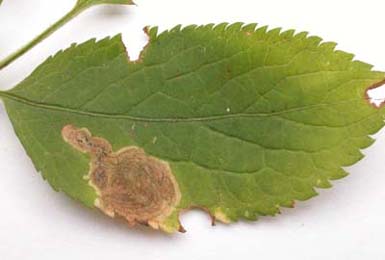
(129, 183)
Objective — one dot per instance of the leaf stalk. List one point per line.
(50, 30)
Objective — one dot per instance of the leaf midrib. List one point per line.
(23, 100)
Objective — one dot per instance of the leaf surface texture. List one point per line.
(249, 120)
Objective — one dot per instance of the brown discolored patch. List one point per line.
(129, 183)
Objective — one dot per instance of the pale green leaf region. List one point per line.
(241, 121)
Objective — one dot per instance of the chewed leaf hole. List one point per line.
(376, 94)
(135, 47)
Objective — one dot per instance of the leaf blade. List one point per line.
(248, 119)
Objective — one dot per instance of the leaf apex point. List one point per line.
(176, 28)
(301, 35)
(363, 65)
(329, 45)
(250, 27)
(275, 32)
(209, 26)
(190, 27)
(234, 27)
(316, 40)
(262, 29)
(220, 26)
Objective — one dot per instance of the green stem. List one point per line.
(70, 15)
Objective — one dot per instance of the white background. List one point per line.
(346, 222)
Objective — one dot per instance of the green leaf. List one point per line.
(233, 119)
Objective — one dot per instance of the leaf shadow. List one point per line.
(112, 11)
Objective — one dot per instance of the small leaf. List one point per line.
(234, 119)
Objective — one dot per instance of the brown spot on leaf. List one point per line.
(129, 183)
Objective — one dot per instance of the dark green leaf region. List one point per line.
(233, 119)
